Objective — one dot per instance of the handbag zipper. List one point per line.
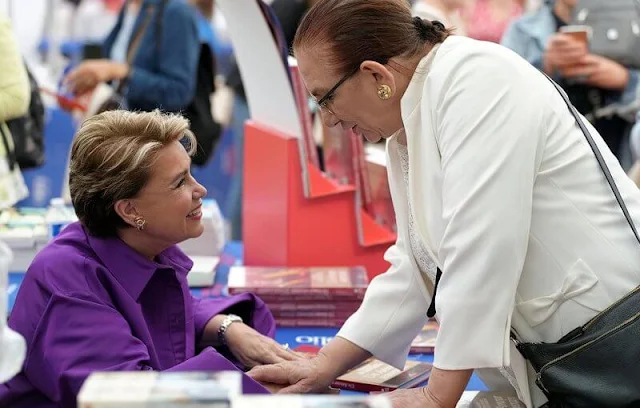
(599, 315)
(587, 344)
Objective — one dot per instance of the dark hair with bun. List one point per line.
(353, 31)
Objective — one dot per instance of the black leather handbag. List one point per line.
(597, 364)
(615, 28)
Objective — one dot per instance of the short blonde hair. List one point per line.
(111, 158)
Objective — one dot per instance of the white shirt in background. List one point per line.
(429, 12)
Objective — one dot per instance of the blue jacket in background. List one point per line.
(163, 73)
(528, 37)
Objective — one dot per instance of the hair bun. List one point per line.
(429, 30)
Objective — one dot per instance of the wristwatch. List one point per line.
(228, 321)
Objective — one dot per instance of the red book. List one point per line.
(338, 155)
(425, 341)
(376, 376)
(320, 298)
(373, 375)
(310, 322)
(306, 306)
(380, 206)
(335, 282)
(311, 315)
(302, 102)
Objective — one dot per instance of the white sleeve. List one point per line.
(488, 127)
(393, 311)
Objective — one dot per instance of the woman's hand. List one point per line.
(600, 72)
(92, 72)
(412, 398)
(253, 349)
(296, 377)
(563, 51)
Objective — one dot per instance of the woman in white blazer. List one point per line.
(492, 182)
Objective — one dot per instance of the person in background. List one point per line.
(163, 50)
(487, 20)
(15, 95)
(110, 292)
(14, 82)
(592, 82)
(445, 11)
(500, 202)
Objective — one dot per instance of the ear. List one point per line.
(127, 211)
(379, 75)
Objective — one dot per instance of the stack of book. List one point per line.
(304, 297)
(147, 389)
(312, 401)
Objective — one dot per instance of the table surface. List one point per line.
(294, 337)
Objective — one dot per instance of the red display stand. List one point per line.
(282, 227)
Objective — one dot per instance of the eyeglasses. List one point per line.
(323, 102)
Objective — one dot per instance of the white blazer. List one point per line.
(510, 202)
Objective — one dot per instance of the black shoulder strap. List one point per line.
(605, 169)
(432, 307)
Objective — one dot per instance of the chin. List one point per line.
(197, 231)
(373, 138)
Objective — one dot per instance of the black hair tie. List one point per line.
(428, 29)
(422, 26)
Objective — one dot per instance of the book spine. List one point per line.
(360, 387)
(285, 305)
(327, 293)
(339, 315)
(421, 350)
(310, 322)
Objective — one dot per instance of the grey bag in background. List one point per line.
(615, 28)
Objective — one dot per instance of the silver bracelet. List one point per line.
(230, 319)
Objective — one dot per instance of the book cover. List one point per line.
(153, 389)
(376, 376)
(490, 399)
(425, 341)
(302, 102)
(338, 155)
(312, 401)
(334, 281)
(380, 205)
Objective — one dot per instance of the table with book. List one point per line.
(308, 318)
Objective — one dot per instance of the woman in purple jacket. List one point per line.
(110, 292)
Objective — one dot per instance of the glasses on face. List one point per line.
(323, 102)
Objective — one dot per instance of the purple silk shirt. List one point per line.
(91, 304)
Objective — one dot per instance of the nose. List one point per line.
(199, 190)
(329, 119)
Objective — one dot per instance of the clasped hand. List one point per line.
(252, 349)
(313, 376)
(570, 57)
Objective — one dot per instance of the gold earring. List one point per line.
(384, 92)
(140, 223)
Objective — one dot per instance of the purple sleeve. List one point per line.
(209, 359)
(78, 335)
(248, 306)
